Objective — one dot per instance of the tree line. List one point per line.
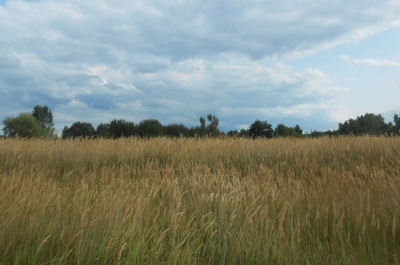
(39, 123)
(146, 129)
(368, 124)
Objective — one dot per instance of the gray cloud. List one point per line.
(97, 101)
(149, 67)
(177, 60)
(110, 31)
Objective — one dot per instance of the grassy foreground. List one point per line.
(192, 201)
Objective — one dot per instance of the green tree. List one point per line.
(79, 129)
(210, 129)
(373, 124)
(284, 131)
(103, 130)
(203, 126)
(365, 124)
(233, 133)
(121, 128)
(261, 129)
(317, 134)
(45, 118)
(44, 115)
(396, 125)
(244, 133)
(196, 131)
(298, 130)
(25, 126)
(236, 133)
(176, 130)
(150, 128)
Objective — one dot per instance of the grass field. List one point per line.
(196, 201)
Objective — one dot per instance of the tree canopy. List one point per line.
(365, 124)
(79, 129)
(283, 131)
(44, 116)
(150, 128)
(261, 129)
(210, 129)
(103, 130)
(24, 126)
(121, 128)
(176, 130)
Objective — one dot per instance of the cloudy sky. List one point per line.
(312, 63)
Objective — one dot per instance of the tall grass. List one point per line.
(194, 201)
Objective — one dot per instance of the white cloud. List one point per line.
(371, 62)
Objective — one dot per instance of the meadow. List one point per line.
(200, 201)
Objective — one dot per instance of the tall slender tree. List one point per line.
(212, 127)
(44, 116)
(202, 126)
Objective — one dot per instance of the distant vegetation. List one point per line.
(39, 123)
(333, 200)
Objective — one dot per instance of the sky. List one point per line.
(311, 63)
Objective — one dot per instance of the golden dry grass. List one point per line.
(193, 201)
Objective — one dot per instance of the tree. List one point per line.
(261, 129)
(176, 130)
(44, 115)
(25, 126)
(284, 131)
(79, 129)
(244, 133)
(298, 130)
(212, 128)
(236, 133)
(202, 126)
(365, 124)
(121, 128)
(195, 131)
(233, 133)
(103, 130)
(396, 125)
(45, 118)
(150, 128)
(373, 124)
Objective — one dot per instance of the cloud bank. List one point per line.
(176, 60)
